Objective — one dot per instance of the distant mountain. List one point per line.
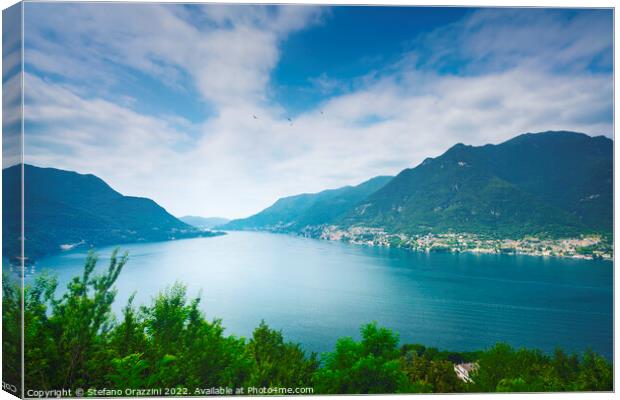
(65, 209)
(557, 183)
(550, 183)
(204, 223)
(310, 209)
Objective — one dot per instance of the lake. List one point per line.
(317, 291)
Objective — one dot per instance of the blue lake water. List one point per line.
(317, 291)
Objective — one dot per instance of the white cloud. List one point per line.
(237, 164)
(541, 38)
(11, 87)
(228, 58)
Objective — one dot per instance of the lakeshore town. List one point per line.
(583, 247)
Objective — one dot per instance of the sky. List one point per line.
(219, 110)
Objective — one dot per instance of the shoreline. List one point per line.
(473, 251)
(586, 247)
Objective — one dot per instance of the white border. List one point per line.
(477, 3)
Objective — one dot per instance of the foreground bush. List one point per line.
(73, 341)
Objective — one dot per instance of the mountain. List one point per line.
(204, 223)
(309, 209)
(64, 209)
(551, 183)
(556, 183)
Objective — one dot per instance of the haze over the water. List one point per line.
(219, 110)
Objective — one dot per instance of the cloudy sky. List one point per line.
(190, 105)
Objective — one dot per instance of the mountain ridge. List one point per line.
(203, 222)
(295, 212)
(556, 183)
(64, 209)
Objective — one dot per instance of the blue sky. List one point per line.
(351, 42)
(190, 104)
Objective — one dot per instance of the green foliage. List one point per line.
(129, 371)
(595, 374)
(74, 341)
(431, 370)
(278, 363)
(436, 374)
(512, 385)
(11, 333)
(369, 366)
(505, 369)
(66, 338)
